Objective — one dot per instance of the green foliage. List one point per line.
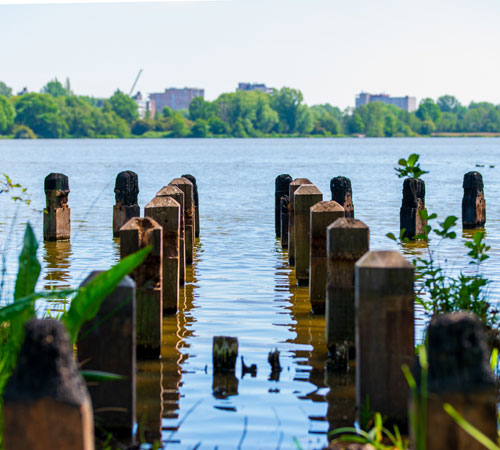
(124, 106)
(200, 129)
(5, 90)
(19, 193)
(7, 114)
(141, 126)
(55, 88)
(410, 167)
(178, 125)
(428, 110)
(23, 132)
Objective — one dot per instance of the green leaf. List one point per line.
(449, 222)
(87, 302)
(494, 359)
(391, 236)
(412, 159)
(98, 376)
(29, 267)
(402, 162)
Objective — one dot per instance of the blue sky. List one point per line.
(328, 49)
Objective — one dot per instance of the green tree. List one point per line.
(304, 122)
(54, 88)
(5, 90)
(266, 119)
(141, 126)
(449, 104)
(428, 110)
(355, 124)
(178, 127)
(218, 126)
(167, 112)
(286, 102)
(124, 106)
(200, 109)
(77, 114)
(200, 129)
(7, 114)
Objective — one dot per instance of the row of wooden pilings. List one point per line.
(368, 301)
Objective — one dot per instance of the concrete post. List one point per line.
(282, 187)
(187, 187)
(347, 241)
(138, 233)
(178, 196)
(46, 402)
(413, 202)
(126, 207)
(285, 206)
(57, 215)
(459, 374)
(473, 203)
(342, 194)
(322, 215)
(107, 343)
(294, 185)
(305, 196)
(196, 204)
(166, 211)
(384, 301)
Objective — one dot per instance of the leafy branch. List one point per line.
(410, 167)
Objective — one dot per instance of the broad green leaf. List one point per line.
(449, 222)
(29, 267)
(412, 159)
(391, 236)
(402, 162)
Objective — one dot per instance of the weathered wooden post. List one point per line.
(459, 374)
(473, 203)
(384, 301)
(175, 193)
(126, 207)
(46, 402)
(413, 203)
(285, 206)
(166, 211)
(187, 187)
(322, 215)
(107, 343)
(196, 204)
(305, 196)
(224, 356)
(138, 233)
(294, 185)
(57, 215)
(282, 187)
(347, 241)
(342, 194)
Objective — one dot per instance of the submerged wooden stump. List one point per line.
(166, 211)
(294, 185)
(322, 215)
(413, 203)
(126, 207)
(285, 206)
(384, 302)
(46, 403)
(342, 194)
(196, 204)
(189, 223)
(347, 241)
(305, 197)
(473, 203)
(57, 214)
(107, 343)
(139, 233)
(459, 374)
(282, 188)
(224, 354)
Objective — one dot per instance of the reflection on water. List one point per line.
(57, 256)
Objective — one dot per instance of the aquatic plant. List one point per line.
(410, 167)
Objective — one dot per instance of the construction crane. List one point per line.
(135, 82)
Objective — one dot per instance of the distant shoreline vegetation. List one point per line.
(58, 113)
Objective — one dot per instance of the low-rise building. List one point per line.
(407, 103)
(174, 98)
(254, 87)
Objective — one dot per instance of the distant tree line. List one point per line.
(56, 112)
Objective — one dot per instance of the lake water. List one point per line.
(240, 283)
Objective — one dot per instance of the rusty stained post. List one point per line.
(136, 234)
(322, 215)
(342, 194)
(305, 197)
(57, 215)
(46, 402)
(282, 187)
(384, 302)
(189, 223)
(285, 207)
(413, 203)
(473, 203)
(107, 343)
(126, 207)
(294, 185)
(166, 211)
(196, 204)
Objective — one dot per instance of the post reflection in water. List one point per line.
(57, 260)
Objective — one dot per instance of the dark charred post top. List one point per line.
(342, 194)
(56, 188)
(127, 188)
(282, 187)
(413, 202)
(284, 206)
(473, 203)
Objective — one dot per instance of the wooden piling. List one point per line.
(413, 202)
(107, 343)
(384, 302)
(57, 215)
(224, 354)
(282, 187)
(459, 374)
(294, 185)
(175, 193)
(347, 241)
(473, 203)
(196, 204)
(285, 206)
(305, 197)
(126, 207)
(322, 215)
(342, 194)
(166, 211)
(46, 403)
(138, 233)
(187, 187)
